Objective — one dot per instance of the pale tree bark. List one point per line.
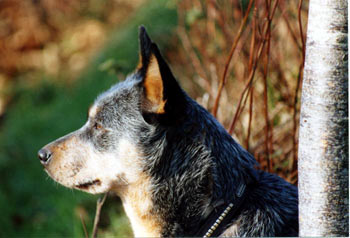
(323, 136)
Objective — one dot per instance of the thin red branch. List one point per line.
(248, 85)
(250, 65)
(196, 63)
(251, 75)
(194, 59)
(99, 205)
(250, 116)
(268, 127)
(234, 45)
(290, 29)
(84, 226)
(297, 88)
(211, 12)
(301, 29)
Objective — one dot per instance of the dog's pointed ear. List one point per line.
(160, 87)
(145, 48)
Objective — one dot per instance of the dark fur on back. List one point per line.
(195, 164)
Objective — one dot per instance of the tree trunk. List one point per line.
(323, 136)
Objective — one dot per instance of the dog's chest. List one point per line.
(143, 224)
(138, 206)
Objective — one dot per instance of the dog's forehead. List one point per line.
(126, 86)
(115, 93)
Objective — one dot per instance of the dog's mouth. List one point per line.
(88, 184)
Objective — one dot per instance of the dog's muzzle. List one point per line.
(44, 155)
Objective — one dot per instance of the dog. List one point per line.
(176, 169)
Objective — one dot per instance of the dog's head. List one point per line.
(106, 153)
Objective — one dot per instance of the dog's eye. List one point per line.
(97, 126)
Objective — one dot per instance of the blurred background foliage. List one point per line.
(56, 56)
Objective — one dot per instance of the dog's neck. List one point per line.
(137, 203)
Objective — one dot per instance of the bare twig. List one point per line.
(268, 130)
(253, 40)
(268, 133)
(250, 116)
(84, 226)
(289, 27)
(251, 75)
(297, 88)
(222, 21)
(99, 205)
(266, 110)
(189, 48)
(250, 65)
(194, 59)
(211, 15)
(248, 85)
(234, 45)
(301, 29)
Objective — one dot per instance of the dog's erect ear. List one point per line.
(160, 87)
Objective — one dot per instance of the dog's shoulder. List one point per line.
(271, 209)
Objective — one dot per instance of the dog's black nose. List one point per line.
(44, 155)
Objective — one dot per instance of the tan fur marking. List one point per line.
(136, 196)
(138, 206)
(93, 110)
(139, 65)
(232, 231)
(154, 86)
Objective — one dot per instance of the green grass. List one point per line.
(31, 204)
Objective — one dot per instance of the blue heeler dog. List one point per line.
(176, 169)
